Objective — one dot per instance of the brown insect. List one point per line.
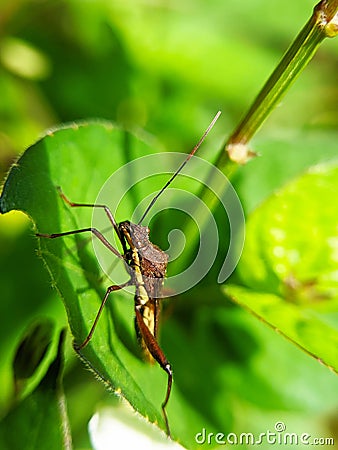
(146, 264)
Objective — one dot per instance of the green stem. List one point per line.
(323, 23)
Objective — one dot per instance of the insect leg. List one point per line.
(83, 230)
(90, 334)
(160, 357)
(91, 205)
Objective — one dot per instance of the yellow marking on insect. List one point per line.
(148, 313)
(149, 318)
(143, 295)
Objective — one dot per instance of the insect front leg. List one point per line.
(84, 230)
(158, 354)
(91, 205)
(110, 288)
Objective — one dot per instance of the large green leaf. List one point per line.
(290, 263)
(57, 160)
(80, 159)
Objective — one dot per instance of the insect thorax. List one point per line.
(144, 257)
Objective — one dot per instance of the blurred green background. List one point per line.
(166, 67)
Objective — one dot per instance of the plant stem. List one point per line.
(323, 23)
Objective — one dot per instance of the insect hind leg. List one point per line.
(110, 289)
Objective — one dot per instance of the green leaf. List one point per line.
(80, 159)
(289, 263)
(291, 240)
(41, 417)
(316, 334)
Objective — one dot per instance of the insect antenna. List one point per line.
(193, 151)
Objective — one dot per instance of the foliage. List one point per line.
(167, 68)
